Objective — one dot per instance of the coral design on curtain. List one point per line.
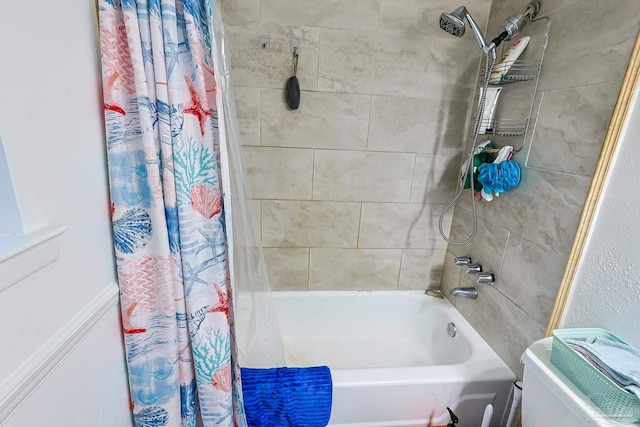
(168, 219)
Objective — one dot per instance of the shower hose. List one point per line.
(489, 62)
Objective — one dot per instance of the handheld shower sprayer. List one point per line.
(453, 23)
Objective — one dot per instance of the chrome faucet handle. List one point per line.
(487, 278)
(463, 260)
(473, 268)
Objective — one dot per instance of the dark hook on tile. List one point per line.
(292, 91)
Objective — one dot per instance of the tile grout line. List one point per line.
(533, 131)
(366, 149)
(400, 268)
(413, 177)
(308, 269)
(313, 174)
(504, 257)
(318, 63)
(370, 202)
(359, 226)
(260, 117)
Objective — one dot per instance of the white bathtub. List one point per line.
(391, 359)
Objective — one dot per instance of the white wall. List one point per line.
(87, 388)
(51, 125)
(606, 292)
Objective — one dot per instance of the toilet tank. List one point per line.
(550, 399)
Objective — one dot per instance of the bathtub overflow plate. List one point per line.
(451, 329)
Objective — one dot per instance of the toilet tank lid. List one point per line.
(537, 362)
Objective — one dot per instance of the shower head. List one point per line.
(453, 23)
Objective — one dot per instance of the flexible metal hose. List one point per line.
(469, 169)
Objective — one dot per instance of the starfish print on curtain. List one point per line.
(167, 209)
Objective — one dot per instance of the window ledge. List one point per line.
(23, 255)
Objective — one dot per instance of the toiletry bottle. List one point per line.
(499, 73)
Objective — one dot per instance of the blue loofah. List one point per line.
(499, 177)
(287, 397)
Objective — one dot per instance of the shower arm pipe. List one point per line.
(514, 24)
(486, 48)
(510, 28)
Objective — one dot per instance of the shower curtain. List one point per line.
(171, 183)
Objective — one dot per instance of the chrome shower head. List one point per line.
(453, 23)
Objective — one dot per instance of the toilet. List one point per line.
(550, 399)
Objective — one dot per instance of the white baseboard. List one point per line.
(26, 378)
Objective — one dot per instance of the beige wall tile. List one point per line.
(271, 67)
(530, 287)
(421, 269)
(373, 63)
(435, 178)
(354, 269)
(248, 112)
(354, 14)
(544, 208)
(362, 176)
(418, 125)
(420, 17)
(450, 276)
(324, 120)
(279, 173)
(400, 225)
(240, 11)
(288, 268)
(453, 67)
(257, 210)
(583, 50)
(571, 128)
(310, 224)
(487, 248)
(507, 328)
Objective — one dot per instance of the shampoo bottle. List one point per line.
(499, 73)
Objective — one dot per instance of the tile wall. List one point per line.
(525, 236)
(350, 186)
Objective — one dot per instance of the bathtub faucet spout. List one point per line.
(471, 293)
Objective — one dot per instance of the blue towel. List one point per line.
(618, 361)
(287, 397)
